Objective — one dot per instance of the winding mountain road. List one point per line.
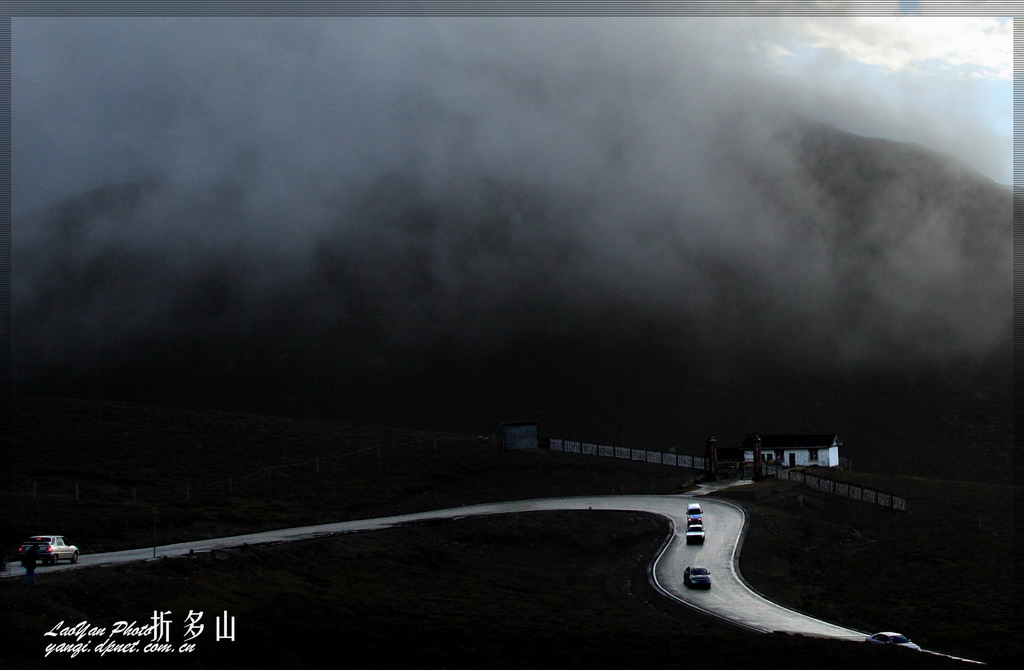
(729, 599)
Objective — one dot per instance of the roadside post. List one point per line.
(758, 470)
(711, 461)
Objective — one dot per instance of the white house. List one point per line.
(793, 450)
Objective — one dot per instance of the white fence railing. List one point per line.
(627, 453)
(847, 490)
(814, 482)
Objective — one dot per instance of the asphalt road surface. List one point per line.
(729, 598)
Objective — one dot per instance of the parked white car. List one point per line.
(893, 639)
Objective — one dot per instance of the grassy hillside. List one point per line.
(938, 572)
(467, 593)
(537, 591)
(211, 473)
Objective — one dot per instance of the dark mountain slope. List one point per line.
(829, 282)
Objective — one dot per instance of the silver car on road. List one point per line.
(49, 549)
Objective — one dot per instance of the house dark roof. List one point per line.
(771, 442)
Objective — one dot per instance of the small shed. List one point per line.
(517, 435)
(792, 450)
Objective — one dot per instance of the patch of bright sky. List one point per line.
(941, 46)
(940, 61)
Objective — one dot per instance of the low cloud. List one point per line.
(331, 196)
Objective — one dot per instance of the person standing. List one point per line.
(30, 560)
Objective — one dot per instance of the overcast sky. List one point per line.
(97, 100)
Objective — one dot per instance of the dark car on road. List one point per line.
(49, 549)
(697, 577)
